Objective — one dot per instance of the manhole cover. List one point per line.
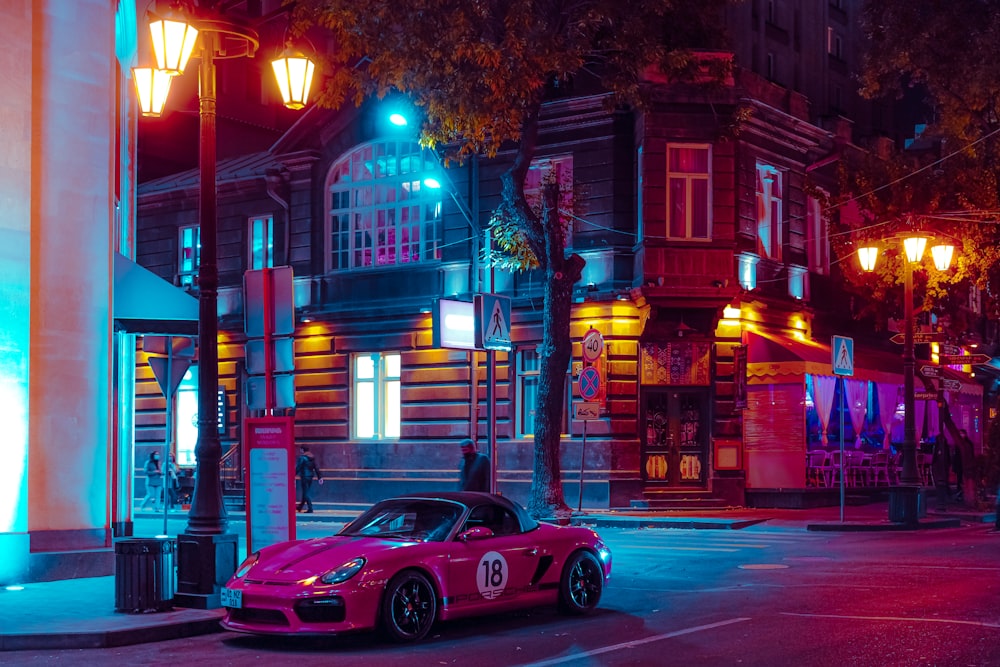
(763, 566)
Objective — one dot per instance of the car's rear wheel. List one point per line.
(409, 607)
(581, 584)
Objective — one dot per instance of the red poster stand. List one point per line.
(269, 459)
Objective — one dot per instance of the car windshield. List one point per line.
(416, 520)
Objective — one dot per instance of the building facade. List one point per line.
(708, 274)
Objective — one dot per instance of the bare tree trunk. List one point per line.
(561, 274)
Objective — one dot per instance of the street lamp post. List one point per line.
(207, 553)
(913, 250)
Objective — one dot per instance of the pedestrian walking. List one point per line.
(474, 471)
(154, 482)
(173, 486)
(307, 471)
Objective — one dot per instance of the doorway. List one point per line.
(674, 437)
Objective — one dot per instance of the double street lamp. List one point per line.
(206, 552)
(913, 245)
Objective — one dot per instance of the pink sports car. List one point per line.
(410, 561)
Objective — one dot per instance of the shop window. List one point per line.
(528, 365)
(261, 242)
(376, 395)
(189, 253)
(384, 208)
(560, 170)
(770, 226)
(689, 192)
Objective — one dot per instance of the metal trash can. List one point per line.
(144, 574)
(907, 504)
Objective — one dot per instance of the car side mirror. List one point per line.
(477, 533)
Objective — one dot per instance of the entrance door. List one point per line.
(674, 432)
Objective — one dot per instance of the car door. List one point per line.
(492, 573)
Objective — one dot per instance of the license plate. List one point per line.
(231, 597)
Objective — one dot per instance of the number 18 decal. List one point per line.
(491, 577)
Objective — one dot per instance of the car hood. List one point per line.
(295, 561)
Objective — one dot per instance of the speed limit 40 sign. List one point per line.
(593, 345)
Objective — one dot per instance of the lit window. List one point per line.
(560, 170)
(769, 223)
(382, 212)
(261, 245)
(528, 364)
(189, 253)
(376, 396)
(688, 192)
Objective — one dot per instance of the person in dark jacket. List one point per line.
(474, 471)
(307, 470)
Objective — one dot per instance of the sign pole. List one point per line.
(583, 451)
(168, 390)
(843, 466)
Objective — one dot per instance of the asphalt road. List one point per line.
(762, 596)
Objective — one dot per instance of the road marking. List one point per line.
(636, 642)
(668, 548)
(907, 619)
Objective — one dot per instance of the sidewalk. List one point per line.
(79, 613)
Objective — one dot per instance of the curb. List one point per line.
(878, 527)
(161, 631)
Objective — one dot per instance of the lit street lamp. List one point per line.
(206, 552)
(913, 250)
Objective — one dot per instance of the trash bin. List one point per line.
(144, 574)
(907, 504)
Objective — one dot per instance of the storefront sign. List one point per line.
(680, 363)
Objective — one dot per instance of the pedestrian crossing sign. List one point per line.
(493, 322)
(843, 355)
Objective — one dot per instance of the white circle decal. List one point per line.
(491, 576)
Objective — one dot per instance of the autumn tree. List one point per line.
(479, 70)
(937, 54)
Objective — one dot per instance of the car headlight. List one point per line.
(245, 566)
(343, 572)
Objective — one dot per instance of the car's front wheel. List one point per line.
(581, 584)
(409, 607)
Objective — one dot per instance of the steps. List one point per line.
(679, 500)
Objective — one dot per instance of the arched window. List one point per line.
(381, 210)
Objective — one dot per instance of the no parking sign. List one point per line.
(589, 383)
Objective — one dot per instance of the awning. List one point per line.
(146, 303)
(776, 358)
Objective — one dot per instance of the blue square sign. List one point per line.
(842, 349)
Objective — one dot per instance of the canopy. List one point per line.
(145, 303)
(776, 358)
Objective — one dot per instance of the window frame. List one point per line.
(562, 164)
(383, 401)
(188, 276)
(769, 208)
(380, 212)
(267, 246)
(522, 376)
(689, 178)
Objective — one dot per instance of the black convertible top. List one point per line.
(474, 498)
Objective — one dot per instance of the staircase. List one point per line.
(679, 500)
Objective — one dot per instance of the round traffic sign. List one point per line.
(593, 345)
(590, 383)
